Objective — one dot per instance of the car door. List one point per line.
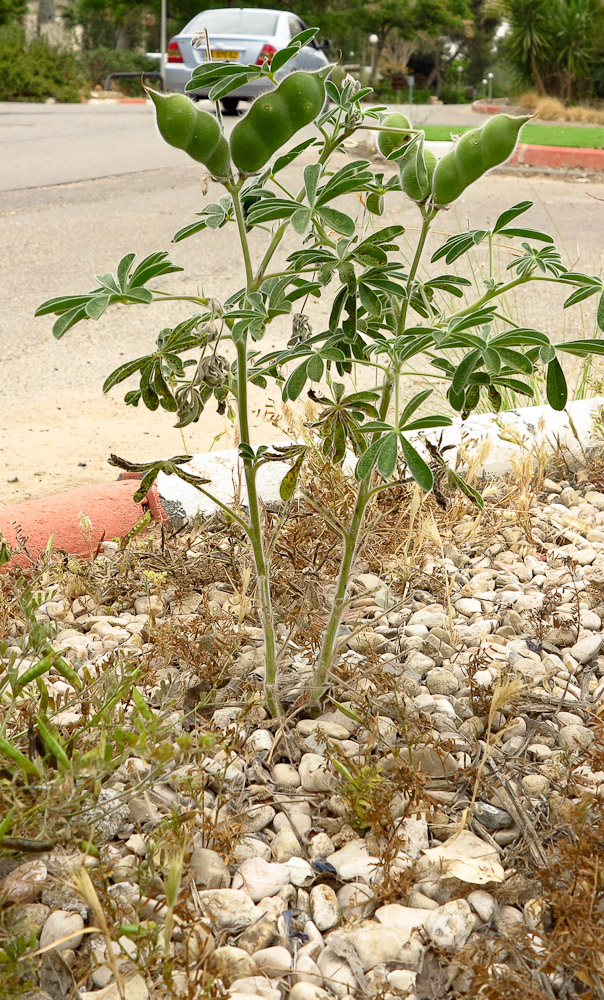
(311, 56)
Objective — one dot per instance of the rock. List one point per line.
(273, 961)
(402, 919)
(315, 774)
(435, 763)
(301, 873)
(285, 846)
(353, 861)
(431, 619)
(402, 981)
(307, 971)
(256, 986)
(356, 900)
(228, 908)
(576, 737)
(135, 988)
(587, 649)
(109, 815)
(450, 926)
(482, 903)
(374, 943)
(324, 907)
(491, 816)
(256, 818)
(536, 784)
(468, 606)
(329, 730)
(24, 884)
(208, 869)
(320, 846)
(260, 878)
(251, 847)
(260, 934)
(440, 681)
(286, 775)
(62, 924)
(308, 991)
(293, 819)
(229, 963)
(337, 973)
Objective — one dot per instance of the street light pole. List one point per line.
(163, 42)
(490, 78)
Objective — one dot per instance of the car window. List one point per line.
(234, 22)
(295, 26)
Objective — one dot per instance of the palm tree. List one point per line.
(576, 23)
(529, 43)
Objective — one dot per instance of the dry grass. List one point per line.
(550, 109)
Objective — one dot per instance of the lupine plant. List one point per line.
(383, 316)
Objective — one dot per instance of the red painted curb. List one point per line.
(558, 156)
(488, 109)
(109, 507)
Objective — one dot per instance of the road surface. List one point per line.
(81, 185)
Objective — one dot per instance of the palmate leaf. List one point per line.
(459, 244)
(71, 309)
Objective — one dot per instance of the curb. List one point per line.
(499, 441)
(558, 156)
(77, 521)
(482, 108)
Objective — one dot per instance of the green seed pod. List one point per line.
(477, 151)
(197, 132)
(275, 117)
(409, 180)
(387, 142)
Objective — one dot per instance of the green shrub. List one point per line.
(35, 70)
(97, 64)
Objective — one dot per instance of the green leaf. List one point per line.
(18, 758)
(338, 220)
(600, 314)
(36, 670)
(300, 220)
(581, 348)
(312, 174)
(388, 453)
(419, 469)
(295, 383)
(464, 370)
(516, 360)
(53, 743)
(123, 269)
(425, 423)
(547, 353)
(145, 485)
(529, 234)
(287, 158)
(510, 214)
(367, 460)
(314, 368)
(375, 203)
(557, 392)
(413, 405)
(227, 84)
(96, 306)
(67, 320)
(190, 230)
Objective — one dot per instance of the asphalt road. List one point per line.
(80, 186)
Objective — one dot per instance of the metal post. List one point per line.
(490, 78)
(163, 42)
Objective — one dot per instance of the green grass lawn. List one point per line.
(584, 137)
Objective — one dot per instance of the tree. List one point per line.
(12, 11)
(529, 43)
(575, 37)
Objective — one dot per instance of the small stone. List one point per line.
(229, 963)
(482, 903)
(539, 751)
(320, 846)
(402, 981)
(315, 774)
(273, 961)
(587, 649)
(256, 818)
(356, 900)
(135, 988)
(301, 873)
(285, 846)
(62, 924)
(254, 986)
(307, 970)
(286, 775)
(536, 784)
(576, 737)
(308, 991)
(450, 926)
(468, 606)
(208, 869)
(337, 972)
(294, 820)
(228, 908)
(404, 920)
(435, 763)
(439, 681)
(260, 878)
(492, 817)
(24, 884)
(374, 943)
(353, 861)
(324, 907)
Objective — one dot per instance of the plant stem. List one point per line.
(255, 532)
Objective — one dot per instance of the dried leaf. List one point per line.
(465, 857)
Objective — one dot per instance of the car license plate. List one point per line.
(221, 54)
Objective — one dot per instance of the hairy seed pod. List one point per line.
(197, 132)
(275, 117)
(387, 142)
(477, 151)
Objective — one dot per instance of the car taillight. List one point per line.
(174, 55)
(267, 53)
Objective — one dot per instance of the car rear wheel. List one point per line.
(229, 105)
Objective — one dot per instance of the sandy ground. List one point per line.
(56, 427)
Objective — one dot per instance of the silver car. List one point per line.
(240, 35)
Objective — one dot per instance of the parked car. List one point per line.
(241, 35)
